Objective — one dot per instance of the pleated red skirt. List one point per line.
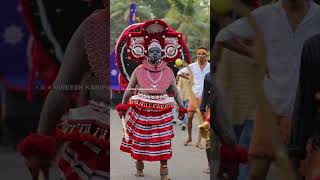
(150, 131)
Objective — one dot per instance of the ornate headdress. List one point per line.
(154, 33)
(134, 42)
(154, 43)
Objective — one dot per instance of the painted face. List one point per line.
(202, 56)
(154, 54)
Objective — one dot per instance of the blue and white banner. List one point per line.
(14, 39)
(114, 72)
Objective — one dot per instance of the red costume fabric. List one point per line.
(154, 81)
(86, 155)
(150, 129)
(230, 158)
(149, 125)
(131, 47)
(43, 66)
(84, 161)
(33, 144)
(86, 129)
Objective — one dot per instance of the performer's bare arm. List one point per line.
(73, 67)
(235, 45)
(184, 72)
(222, 121)
(183, 75)
(177, 79)
(131, 87)
(176, 93)
(234, 36)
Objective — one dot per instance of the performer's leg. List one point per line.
(140, 167)
(198, 144)
(214, 161)
(185, 118)
(315, 165)
(164, 170)
(190, 118)
(206, 119)
(244, 140)
(208, 155)
(312, 162)
(261, 149)
(259, 168)
(260, 152)
(208, 158)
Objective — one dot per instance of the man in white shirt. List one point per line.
(286, 25)
(199, 69)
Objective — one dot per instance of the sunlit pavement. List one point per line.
(12, 167)
(188, 162)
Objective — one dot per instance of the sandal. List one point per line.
(164, 172)
(187, 143)
(198, 145)
(139, 167)
(207, 171)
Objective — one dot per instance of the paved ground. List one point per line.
(12, 167)
(187, 163)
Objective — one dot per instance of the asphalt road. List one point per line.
(188, 162)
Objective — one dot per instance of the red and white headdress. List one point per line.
(134, 42)
(154, 33)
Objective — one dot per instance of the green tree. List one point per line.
(119, 16)
(191, 17)
(159, 8)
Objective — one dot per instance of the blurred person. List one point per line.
(183, 86)
(292, 23)
(83, 133)
(233, 72)
(305, 139)
(225, 155)
(48, 43)
(205, 109)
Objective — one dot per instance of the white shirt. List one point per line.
(198, 77)
(284, 48)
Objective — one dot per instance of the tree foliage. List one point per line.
(191, 17)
